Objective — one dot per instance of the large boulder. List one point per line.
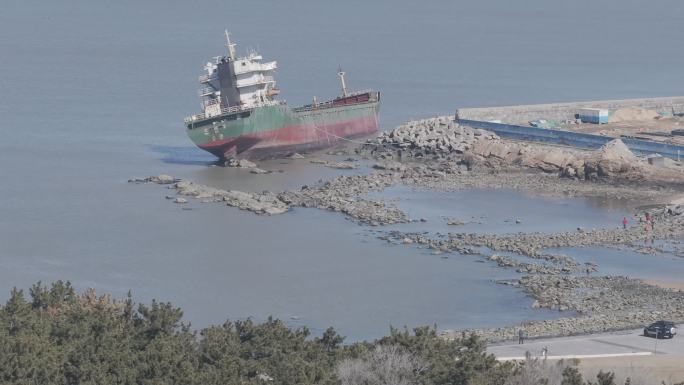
(162, 179)
(616, 150)
(612, 160)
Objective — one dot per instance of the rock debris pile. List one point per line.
(340, 194)
(441, 139)
(426, 139)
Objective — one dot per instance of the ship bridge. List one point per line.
(233, 82)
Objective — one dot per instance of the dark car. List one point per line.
(661, 329)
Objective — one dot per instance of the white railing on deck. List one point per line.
(234, 109)
(329, 103)
(361, 92)
(204, 78)
(206, 91)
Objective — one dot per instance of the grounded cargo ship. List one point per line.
(241, 117)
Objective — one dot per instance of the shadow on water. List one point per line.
(192, 156)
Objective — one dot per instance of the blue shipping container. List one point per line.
(593, 115)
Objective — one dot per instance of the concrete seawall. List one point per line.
(562, 111)
(574, 139)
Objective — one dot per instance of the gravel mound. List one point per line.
(632, 114)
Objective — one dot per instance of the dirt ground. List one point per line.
(651, 129)
(640, 369)
(667, 285)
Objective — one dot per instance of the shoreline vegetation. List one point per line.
(53, 335)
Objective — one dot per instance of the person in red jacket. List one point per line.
(624, 222)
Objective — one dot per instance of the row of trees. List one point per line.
(55, 336)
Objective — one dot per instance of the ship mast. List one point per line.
(230, 46)
(344, 85)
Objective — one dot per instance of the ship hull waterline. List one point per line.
(275, 131)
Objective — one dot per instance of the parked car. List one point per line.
(661, 329)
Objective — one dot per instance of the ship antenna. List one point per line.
(344, 85)
(230, 45)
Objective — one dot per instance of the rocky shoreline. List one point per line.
(438, 154)
(601, 304)
(558, 282)
(340, 195)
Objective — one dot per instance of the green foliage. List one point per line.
(453, 362)
(56, 336)
(605, 378)
(571, 376)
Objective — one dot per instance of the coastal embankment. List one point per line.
(523, 114)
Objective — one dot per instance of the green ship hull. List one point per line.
(276, 130)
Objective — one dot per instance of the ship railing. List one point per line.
(316, 106)
(206, 91)
(329, 103)
(204, 78)
(211, 102)
(202, 115)
(360, 92)
(231, 109)
(234, 109)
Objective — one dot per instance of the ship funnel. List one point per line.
(344, 85)
(230, 46)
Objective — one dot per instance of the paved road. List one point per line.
(625, 343)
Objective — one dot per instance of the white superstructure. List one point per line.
(255, 82)
(234, 83)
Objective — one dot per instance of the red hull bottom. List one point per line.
(286, 140)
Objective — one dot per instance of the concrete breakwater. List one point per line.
(564, 111)
(574, 139)
(512, 122)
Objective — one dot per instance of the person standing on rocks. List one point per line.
(624, 223)
(521, 336)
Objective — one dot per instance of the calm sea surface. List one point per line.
(93, 93)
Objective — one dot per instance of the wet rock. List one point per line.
(389, 165)
(342, 165)
(455, 222)
(158, 179)
(260, 203)
(180, 200)
(241, 163)
(257, 170)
